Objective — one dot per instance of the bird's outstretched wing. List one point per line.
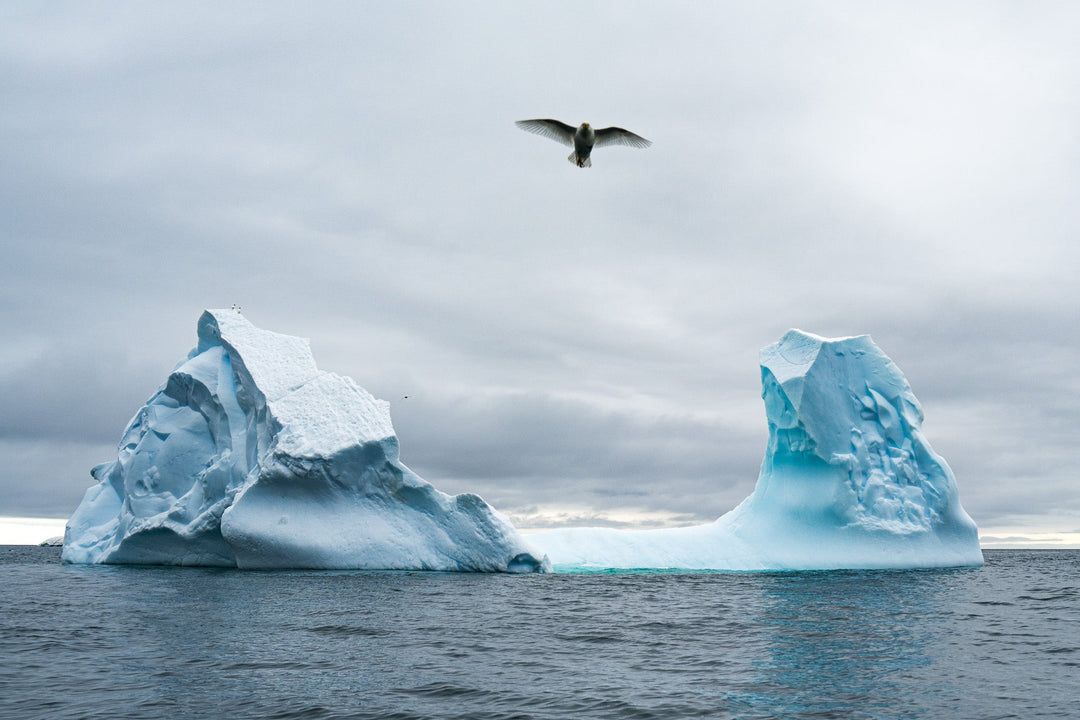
(618, 136)
(558, 131)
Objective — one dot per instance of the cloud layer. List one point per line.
(574, 343)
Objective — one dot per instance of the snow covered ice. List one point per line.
(250, 456)
(848, 480)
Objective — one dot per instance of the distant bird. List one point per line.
(582, 138)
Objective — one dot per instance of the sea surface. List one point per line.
(1002, 641)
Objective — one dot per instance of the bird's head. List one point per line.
(585, 125)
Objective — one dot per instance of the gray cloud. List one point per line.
(519, 449)
(579, 342)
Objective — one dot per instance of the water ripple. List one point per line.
(1002, 641)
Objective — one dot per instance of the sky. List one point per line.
(578, 346)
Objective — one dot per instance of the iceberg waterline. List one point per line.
(249, 456)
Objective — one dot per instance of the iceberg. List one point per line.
(249, 456)
(848, 480)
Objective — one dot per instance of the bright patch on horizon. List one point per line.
(1026, 538)
(29, 531)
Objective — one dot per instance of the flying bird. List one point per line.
(583, 138)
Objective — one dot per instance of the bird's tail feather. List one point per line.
(572, 157)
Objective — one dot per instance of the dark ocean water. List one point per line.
(1002, 641)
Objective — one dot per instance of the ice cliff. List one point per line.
(250, 456)
(848, 480)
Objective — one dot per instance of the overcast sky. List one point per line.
(576, 345)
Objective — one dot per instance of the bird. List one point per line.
(583, 138)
